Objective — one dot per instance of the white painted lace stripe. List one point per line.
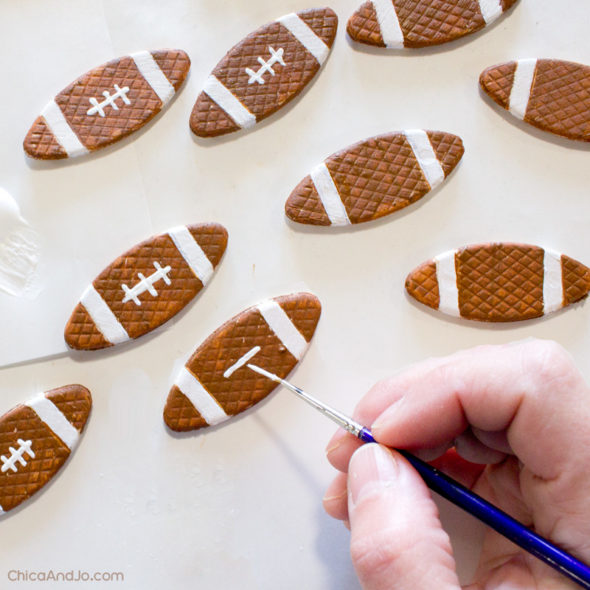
(219, 94)
(55, 420)
(62, 131)
(426, 157)
(552, 282)
(192, 253)
(153, 74)
(242, 361)
(201, 399)
(521, 86)
(446, 275)
(306, 36)
(490, 10)
(391, 31)
(335, 210)
(283, 327)
(103, 317)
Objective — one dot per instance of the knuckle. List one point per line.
(548, 360)
(447, 373)
(394, 554)
(374, 553)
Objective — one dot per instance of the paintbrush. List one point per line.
(459, 495)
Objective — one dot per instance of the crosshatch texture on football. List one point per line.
(36, 438)
(107, 104)
(146, 286)
(215, 384)
(421, 23)
(374, 177)
(499, 282)
(551, 94)
(264, 72)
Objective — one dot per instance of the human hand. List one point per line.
(524, 410)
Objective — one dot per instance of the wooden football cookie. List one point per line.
(36, 438)
(215, 384)
(374, 177)
(107, 104)
(420, 23)
(550, 94)
(499, 282)
(146, 286)
(264, 72)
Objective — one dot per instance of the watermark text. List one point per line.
(50, 575)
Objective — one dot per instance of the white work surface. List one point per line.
(240, 506)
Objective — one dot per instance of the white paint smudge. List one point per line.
(19, 251)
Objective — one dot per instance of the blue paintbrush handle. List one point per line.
(495, 518)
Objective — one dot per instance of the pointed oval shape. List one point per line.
(146, 286)
(107, 104)
(499, 282)
(550, 94)
(264, 72)
(375, 177)
(36, 438)
(395, 24)
(215, 384)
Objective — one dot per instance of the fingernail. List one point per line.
(372, 468)
(384, 419)
(336, 441)
(333, 498)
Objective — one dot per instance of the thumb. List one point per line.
(397, 542)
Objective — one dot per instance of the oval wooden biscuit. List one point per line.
(421, 23)
(264, 72)
(107, 104)
(36, 438)
(146, 286)
(499, 282)
(215, 384)
(374, 178)
(550, 94)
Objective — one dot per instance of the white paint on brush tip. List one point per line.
(241, 361)
(19, 251)
(264, 373)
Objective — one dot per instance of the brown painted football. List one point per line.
(375, 177)
(216, 384)
(36, 439)
(107, 104)
(265, 71)
(551, 94)
(499, 282)
(146, 286)
(421, 23)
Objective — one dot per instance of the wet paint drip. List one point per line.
(19, 251)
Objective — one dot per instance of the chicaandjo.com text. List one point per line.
(50, 575)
